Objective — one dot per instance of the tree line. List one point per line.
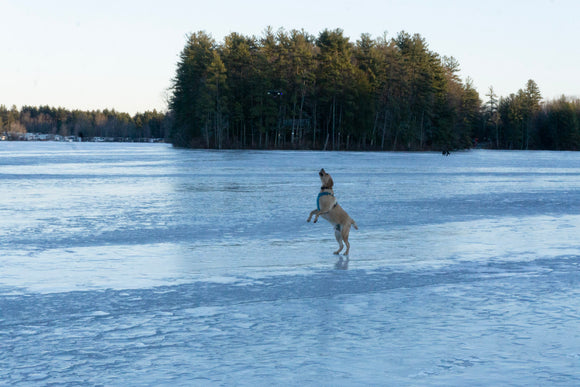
(106, 123)
(521, 121)
(293, 90)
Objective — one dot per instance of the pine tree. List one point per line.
(492, 114)
(532, 98)
(215, 101)
(188, 87)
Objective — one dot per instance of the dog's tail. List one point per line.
(354, 224)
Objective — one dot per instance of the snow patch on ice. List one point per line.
(100, 313)
(203, 311)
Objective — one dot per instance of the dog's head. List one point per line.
(325, 179)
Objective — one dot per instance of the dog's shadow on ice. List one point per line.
(341, 264)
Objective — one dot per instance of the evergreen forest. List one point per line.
(293, 90)
(110, 124)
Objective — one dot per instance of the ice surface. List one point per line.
(140, 264)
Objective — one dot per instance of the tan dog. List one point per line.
(330, 210)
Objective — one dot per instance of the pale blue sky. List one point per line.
(122, 54)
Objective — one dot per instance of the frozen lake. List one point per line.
(140, 264)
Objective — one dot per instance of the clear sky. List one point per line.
(122, 54)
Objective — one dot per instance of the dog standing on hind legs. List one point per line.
(329, 209)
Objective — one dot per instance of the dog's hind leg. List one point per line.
(338, 236)
(344, 235)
